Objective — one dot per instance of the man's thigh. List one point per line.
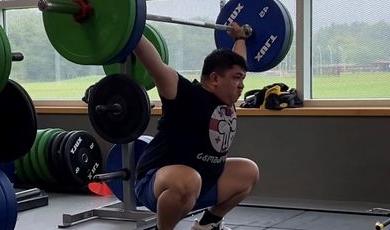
(239, 174)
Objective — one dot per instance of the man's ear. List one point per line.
(214, 78)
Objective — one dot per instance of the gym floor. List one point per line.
(244, 217)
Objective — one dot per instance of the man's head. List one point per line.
(223, 74)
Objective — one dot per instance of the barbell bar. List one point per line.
(70, 7)
(152, 17)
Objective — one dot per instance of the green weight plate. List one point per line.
(164, 44)
(42, 154)
(19, 171)
(138, 71)
(34, 156)
(153, 31)
(115, 68)
(164, 53)
(159, 42)
(98, 39)
(7, 55)
(3, 76)
(28, 164)
(27, 167)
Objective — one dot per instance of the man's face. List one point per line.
(230, 84)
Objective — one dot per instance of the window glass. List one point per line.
(46, 75)
(351, 47)
(43, 72)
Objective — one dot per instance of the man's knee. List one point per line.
(253, 172)
(245, 172)
(182, 181)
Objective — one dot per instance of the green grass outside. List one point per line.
(358, 85)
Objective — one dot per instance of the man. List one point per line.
(185, 166)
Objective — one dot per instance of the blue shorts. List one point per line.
(145, 193)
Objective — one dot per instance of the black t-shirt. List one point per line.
(196, 129)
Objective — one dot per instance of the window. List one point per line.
(48, 76)
(351, 49)
(349, 56)
(43, 72)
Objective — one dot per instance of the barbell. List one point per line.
(97, 32)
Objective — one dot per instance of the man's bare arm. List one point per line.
(165, 77)
(238, 34)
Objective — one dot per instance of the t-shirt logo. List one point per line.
(222, 128)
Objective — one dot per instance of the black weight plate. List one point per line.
(54, 155)
(18, 120)
(126, 125)
(82, 157)
(48, 150)
(60, 161)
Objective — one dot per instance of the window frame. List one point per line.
(304, 66)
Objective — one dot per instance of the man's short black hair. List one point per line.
(221, 60)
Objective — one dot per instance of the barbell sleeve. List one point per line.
(17, 56)
(67, 6)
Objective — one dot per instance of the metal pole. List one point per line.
(167, 19)
(247, 28)
(66, 7)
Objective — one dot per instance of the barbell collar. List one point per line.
(66, 7)
(17, 56)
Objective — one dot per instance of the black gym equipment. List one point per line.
(118, 108)
(19, 124)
